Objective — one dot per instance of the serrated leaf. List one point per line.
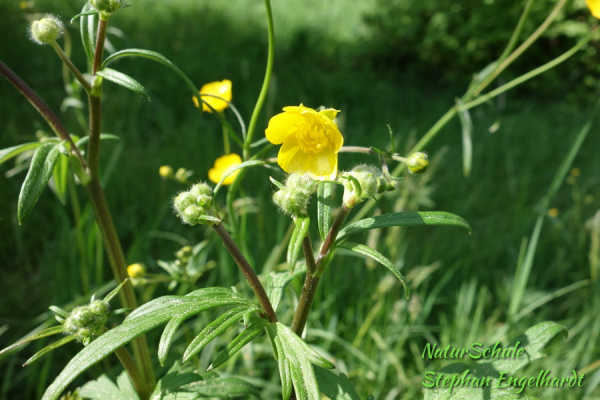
(532, 342)
(60, 177)
(215, 329)
(122, 79)
(10, 152)
(49, 348)
(407, 218)
(276, 283)
(324, 191)
(42, 164)
(105, 389)
(377, 256)
(87, 29)
(336, 387)
(249, 334)
(54, 330)
(225, 387)
(245, 164)
(295, 244)
(295, 359)
(142, 320)
(172, 381)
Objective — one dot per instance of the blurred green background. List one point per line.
(382, 62)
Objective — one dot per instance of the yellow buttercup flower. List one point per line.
(311, 141)
(223, 165)
(594, 6)
(221, 89)
(136, 270)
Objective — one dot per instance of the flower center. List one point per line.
(312, 139)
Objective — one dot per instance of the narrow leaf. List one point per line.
(40, 171)
(8, 153)
(172, 381)
(298, 235)
(408, 218)
(168, 333)
(336, 387)
(377, 256)
(83, 14)
(467, 130)
(215, 329)
(60, 177)
(142, 320)
(324, 208)
(103, 136)
(249, 334)
(87, 30)
(45, 333)
(226, 387)
(122, 79)
(276, 283)
(49, 348)
(245, 164)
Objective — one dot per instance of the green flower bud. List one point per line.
(192, 214)
(86, 321)
(200, 189)
(417, 163)
(366, 177)
(46, 30)
(184, 254)
(294, 198)
(300, 182)
(106, 6)
(204, 200)
(183, 201)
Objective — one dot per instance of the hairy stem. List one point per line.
(247, 270)
(76, 73)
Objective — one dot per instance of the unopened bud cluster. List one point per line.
(362, 182)
(417, 163)
(85, 321)
(106, 6)
(293, 198)
(46, 30)
(194, 204)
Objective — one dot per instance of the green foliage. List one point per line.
(301, 225)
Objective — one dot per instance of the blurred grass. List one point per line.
(462, 285)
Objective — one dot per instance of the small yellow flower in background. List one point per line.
(219, 88)
(553, 212)
(575, 172)
(222, 167)
(166, 171)
(594, 6)
(136, 270)
(311, 141)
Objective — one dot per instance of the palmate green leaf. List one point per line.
(42, 164)
(276, 283)
(245, 164)
(295, 360)
(105, 389)
(336, 387)
(87, 29)
(324, 208)
(172, 381)
(298, 235)
(407, 218)
(533, 342)
(254, 329)
(60, 177)
(216, 328)
(142, 320)
(10, 152)
(122, 79)
(377, 256)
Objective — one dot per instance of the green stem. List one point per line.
(265, 87)
(226, 145)
(315, 269)
(133, 372)
(247, 270)
(76, 73)
(525, 77)
(517, 32)
(102, 23)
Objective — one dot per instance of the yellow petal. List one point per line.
(330, 113)
(322, 166)
(222, 167)
(227, 161)
(220, 89)
(290, 156)
(594, 6)
(281, 125)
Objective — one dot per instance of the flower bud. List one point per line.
(367, 178)
(192, 214)
(166, 172)
(294, 197)
(106, 6)
(46, 30)
(417, 163)
(136, 270)
(86, 321)
(183, 201)
(184, 254)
